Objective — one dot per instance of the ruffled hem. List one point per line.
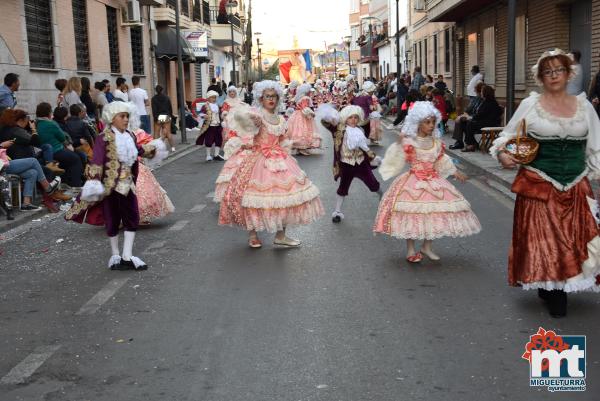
(556, 184)
(459, 205)
(275, 201)
(273, 220)
(429, 226)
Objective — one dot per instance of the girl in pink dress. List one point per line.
(302, 128)
(421, 204)
(153, 201)
(267, 190)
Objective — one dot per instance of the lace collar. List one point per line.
(546, 115)
(274, 123)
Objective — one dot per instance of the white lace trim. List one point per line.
(557, 184)
(127, 152)
(92, 191)
(459, 205)
(579, 113)
(271, 201)
(276, 165)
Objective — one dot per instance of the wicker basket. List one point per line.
(523, 148)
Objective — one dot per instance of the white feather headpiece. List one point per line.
(419, 112)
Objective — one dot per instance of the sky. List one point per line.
(312, 21)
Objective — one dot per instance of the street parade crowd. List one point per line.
(105, 158)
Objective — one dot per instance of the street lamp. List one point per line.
(257, 34)
(347, 41)
(231, 4)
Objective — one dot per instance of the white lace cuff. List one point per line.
(92, 191)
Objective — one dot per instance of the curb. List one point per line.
(17, 227)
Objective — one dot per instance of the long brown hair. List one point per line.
(9, 117)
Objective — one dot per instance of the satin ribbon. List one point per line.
(273, 151)
(425, 171)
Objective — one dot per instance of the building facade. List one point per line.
(43, 40)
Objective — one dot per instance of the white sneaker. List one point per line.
(209, 158)
(172, 149)
(337, 217)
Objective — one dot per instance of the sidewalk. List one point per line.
(43, 216)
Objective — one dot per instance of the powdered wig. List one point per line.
(369, 87)
(266, 85)
(232, 89)
(112, 109)
(350, 111)
(565, 59)
(211, 93)
(421, 111)
(349, 77)
(303, 90)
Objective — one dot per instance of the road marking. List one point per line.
(495, 193)
(154, 246)
(197, 208)
(179, 225)
(102, 296)
(20, 373)
(210, 195)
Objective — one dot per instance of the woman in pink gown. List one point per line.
(421, 204)
(153, 201)
(302, 127)
(267, 190)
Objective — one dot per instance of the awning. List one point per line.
(166, 46)
(455, 10)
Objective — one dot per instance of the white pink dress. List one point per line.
(302, 127)
(266, 189)
(421, 203)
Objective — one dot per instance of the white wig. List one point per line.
(319, 82)
(350, 111)
(369, 87)
(421, 111)
(112, 109)
(303, 90)
(210, 94)
(266, 85)
(294, 84)
(349, 77)
(232, 89)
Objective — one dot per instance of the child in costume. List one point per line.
(231, 103)
(267, 190)
(301, 125)
(365, 101)
(352, 157)
(211, 134)
(109, 195)
(421, 204)
(376, 132)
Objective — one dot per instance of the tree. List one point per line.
(272, 72)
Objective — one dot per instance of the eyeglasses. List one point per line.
(559, 71)
(270, 97)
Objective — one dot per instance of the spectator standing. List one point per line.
(475, 79)
(107, 91)
(418, 79)
(595, 92)
(440, 84)
(86, 99)
(120, 92)
(161, 105)
(7, 91)
(72, 92)
(575, 85)
(214, 86)
(60, 85)
(100, 99)
(50, 133)
(139, 97)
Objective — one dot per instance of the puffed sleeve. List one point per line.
(510, 131)
(445, 167)
(393, 161)
(593, 142)
(242, 130)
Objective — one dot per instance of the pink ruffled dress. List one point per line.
(302, 127)
(267, 190)
(421, 203)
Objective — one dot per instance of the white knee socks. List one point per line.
(128, 245)
(114, 244)
(217, 151)
(339, 201)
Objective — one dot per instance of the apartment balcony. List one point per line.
(166, 16)
(368, 54)
(221, 29)
(453, 10)
(154, 3)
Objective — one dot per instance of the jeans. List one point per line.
(145, 123)
(47, 152)
(30, 170)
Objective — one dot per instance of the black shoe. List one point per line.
(457, 145)
(128, 265)
(8, 210)
(53, 186)
(336, 219)
(30, 208)
(218, 158)
(544, 294)
(557, 303)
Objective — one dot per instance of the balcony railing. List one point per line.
(365, 56)
(197, 11)
(206, 12)
(217, 18)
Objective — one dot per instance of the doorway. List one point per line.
(580, 36)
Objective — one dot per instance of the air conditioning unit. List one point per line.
(131, 15)
(420, 5)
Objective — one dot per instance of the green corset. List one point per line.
(561, 159)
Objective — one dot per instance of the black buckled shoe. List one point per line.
(457, 145)
(557, 303)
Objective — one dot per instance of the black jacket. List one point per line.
(217, 88)
(77, 130)
(161, 104)
(24, 142)
(488, 114)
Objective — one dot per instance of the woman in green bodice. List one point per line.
(555, 244)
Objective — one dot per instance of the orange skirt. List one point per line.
(551, 233)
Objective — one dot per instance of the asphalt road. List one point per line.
(342, 318)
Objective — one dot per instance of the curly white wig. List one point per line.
(545, 55)
(350, 111)
(232, 89)
(349, 77)
(112, 109)
(419, 112)
(262, 86)
(303, 90)
(369, 87)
